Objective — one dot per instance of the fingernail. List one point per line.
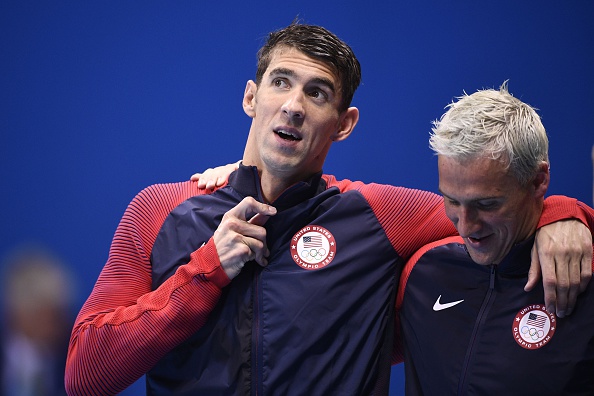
(561, 314)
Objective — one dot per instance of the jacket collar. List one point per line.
(517, 261)
(246, 181)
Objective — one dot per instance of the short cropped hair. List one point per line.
(320, 44)
(491, 123)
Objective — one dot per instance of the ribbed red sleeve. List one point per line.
(560, 207)
(411, 218)
(124, 328)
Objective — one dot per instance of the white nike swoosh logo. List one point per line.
(438, 306)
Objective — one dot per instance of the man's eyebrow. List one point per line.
(477, 199)
(325, 82)
(282, 71)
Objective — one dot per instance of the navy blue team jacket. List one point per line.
(472, 330)
(318, 320)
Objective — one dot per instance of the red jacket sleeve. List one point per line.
(411, 218)
(124, 327)
(560, 207)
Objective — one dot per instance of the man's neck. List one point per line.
(274, 185)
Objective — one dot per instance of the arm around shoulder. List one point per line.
(563, 251)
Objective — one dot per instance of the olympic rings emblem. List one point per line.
(313, 247)
(533, 327)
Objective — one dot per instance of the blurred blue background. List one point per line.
(100, 99)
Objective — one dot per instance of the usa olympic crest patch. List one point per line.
(533, 327)
(313, 247)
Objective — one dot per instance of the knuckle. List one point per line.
(563, 286)
(230, 223)
(549, 282)
(246, 253)
(249, 200)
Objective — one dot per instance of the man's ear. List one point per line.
(346, 124)
(542, 179)
(249, 98)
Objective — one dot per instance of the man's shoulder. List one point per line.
(385, 194)
(167, 195)
(434, 253)
(453, 242)
(167, 190)
(347, 184)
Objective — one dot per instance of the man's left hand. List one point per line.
(563, 251)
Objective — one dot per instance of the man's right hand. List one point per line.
(214, 177)
(241, 236)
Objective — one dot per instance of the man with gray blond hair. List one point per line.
(467, 325)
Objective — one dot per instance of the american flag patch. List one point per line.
(536, 320)
(312, 241)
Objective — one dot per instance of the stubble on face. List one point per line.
(294, 114)
(490, 209)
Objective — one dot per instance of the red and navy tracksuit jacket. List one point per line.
(469, 329)
(318, 320)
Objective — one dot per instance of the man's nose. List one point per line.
(467, 222)
(293, 106)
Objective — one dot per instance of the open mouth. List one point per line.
(478, 240)
(286, 135)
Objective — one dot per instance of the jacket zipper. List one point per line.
(256, 356)
(485, 308)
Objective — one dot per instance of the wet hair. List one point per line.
(320, 44)
(493, 124)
